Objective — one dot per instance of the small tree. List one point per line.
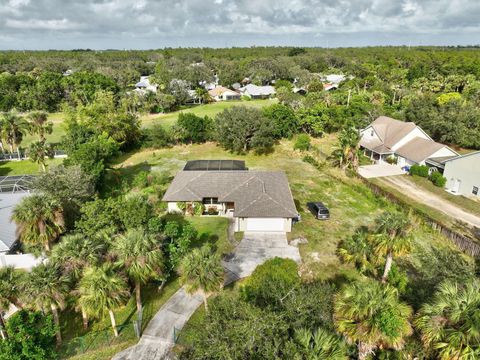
(46, 290)
(392, 238)
(39, 219)
(241, 128)
(302, 142)
(101, 290)
(191, 128)
(284, 120)
(32, 336)
(370, 315)
(39, 124)
(346, 155)
(38, 151)
(202, 271)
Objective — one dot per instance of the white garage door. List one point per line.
(265, 224)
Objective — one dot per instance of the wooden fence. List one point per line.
(465, 243)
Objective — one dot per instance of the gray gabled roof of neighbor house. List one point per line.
(419, 149)
(463, 156)
(8, 236)
(259, 90)
(255, 193)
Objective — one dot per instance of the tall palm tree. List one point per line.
(347, 153)
(39, 219)
(101, 290)
(371, 315)
(74, 253)
(16, 127)
(141, 256)
(39, 124)
(46, 289)
(450, 324)
(201, 270)
(320, 345)
(38, 151)
(392, 238)
(10, 281)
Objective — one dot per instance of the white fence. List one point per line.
(20, 261)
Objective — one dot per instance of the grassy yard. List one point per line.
(98, 342)
(24, 167)
(350, 203)
(201, 110)
(55, 137)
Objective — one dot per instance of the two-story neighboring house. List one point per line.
(405, 141)
(463, 174)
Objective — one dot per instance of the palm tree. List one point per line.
(38, 151)
(371, 315)
(40, 125)
(358, 250)
(141, 256)
(74, 252)
(46, 288)
(39, 219)
(101, 290)
(3, 134)
(392, 238)
(347, 153)
(16, 127)
(202, 271)
(10, 281)
(320, 345)
(450, 324)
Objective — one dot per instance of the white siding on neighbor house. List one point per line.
(463, 174)
(173, 208)
(443, 152)
(401, 161)
(368, 135)
(410, 136)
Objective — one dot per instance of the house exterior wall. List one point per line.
(463, 172)
(410, 136)
(368, 134)
(173, 208)
(401, 161)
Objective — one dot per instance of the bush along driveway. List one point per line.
(160, 335)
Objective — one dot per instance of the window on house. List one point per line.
(475, 190)
(210, 201)
(371, 133)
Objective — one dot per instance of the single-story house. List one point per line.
(257, 92)
(258, 201)
(220, 93)
(463, 174)
(405, 141)
(144, 85)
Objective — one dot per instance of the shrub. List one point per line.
(156, 137)
(391, 160)
(271, 282)
(302, 142)
(182, 205)
(419, 170)
(438, 179)
(212, 210)
(198, 208)
(311, 160)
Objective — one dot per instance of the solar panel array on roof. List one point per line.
(214, 165)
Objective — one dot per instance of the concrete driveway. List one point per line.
(379, 170)
(255, 249)
(157, 339)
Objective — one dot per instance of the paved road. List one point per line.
(157, 339)
(417, 193)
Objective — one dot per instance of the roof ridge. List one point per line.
(239, 185)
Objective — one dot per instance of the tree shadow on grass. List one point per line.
(5, 170)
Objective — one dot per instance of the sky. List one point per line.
(151, 24)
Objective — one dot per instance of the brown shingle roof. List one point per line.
(419, 149)
(391, 131)
(219, 90)
(255, 193)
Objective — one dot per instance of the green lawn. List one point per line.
(24, 167)
(201, 110)
(98, 343)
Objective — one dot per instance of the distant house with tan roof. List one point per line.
(407, 142)
(220, 93)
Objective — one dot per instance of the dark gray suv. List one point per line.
(319, 210)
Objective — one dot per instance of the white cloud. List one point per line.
(36, 24)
